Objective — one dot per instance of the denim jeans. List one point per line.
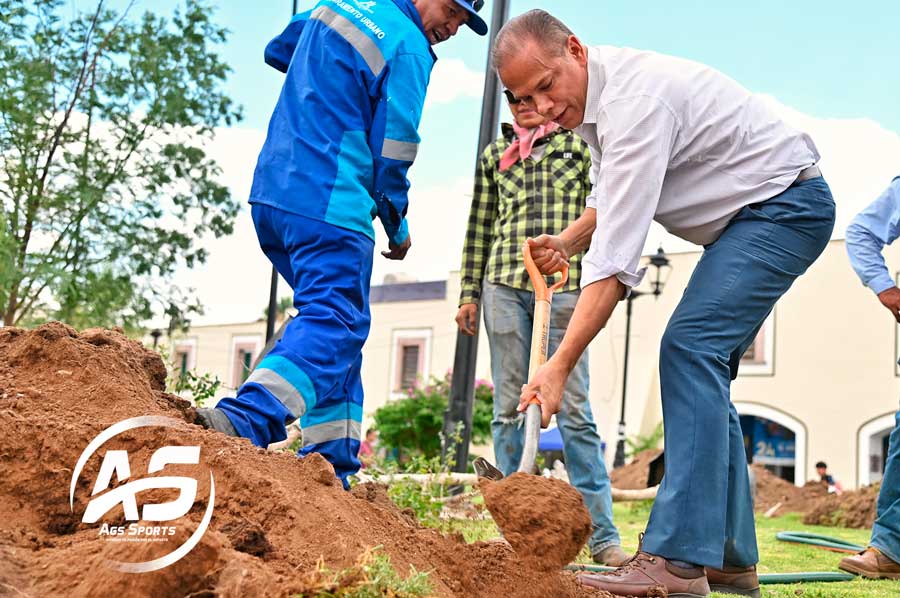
(886, 531)
(508, 315)
(703, 512)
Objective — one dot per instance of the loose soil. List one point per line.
(634, 475)
(275, 516)
(543, 519)
(771, 490)
(854, 508)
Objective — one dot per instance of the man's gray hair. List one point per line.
(535, 25)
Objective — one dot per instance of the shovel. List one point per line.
(540, 333)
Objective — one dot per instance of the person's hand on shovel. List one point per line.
(547, 385)
(550, 253)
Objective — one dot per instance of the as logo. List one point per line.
(116, 462)
(366, 6)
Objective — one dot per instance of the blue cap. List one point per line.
(475, 22)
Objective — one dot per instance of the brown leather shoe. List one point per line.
(742, 581)
(646, 574)
(612, 556)
(872, 564)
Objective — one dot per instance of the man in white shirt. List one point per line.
(686, 146)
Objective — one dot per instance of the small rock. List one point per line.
(64, 372)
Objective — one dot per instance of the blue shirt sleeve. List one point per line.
(280, 50)
(396, 142)
(873, 228)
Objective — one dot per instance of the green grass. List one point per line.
(775, 556)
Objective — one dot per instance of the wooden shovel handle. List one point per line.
(541, 291)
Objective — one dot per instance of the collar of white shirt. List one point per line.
(596, 81)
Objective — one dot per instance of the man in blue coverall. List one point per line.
(339, 144)
(873, 228)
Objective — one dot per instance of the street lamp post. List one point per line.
(156, 333)
(661, 264)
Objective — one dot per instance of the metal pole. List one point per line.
(619, 459)
(462, 384)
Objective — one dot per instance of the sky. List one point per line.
(827, 67)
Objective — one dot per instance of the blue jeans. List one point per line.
(313, 371)
(886, 531)
(703, 512)
(508, 315)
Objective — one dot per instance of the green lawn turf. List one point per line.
(775, 556)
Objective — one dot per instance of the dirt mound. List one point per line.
(772, 490)
(543, 519)
(856, 508)
(274, 517)
(635, 474)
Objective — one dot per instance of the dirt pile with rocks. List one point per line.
(635, 474)
(543, 519)
(275, 516)
(854, 508)
(772, 490)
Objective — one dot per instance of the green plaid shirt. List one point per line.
(526, 200)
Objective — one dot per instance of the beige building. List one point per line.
(820, 383)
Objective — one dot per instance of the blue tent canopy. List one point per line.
(551, 440)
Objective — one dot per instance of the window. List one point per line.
(409, 365)
(758, 359)
(184, 356)
(410, 358)
(244, 350)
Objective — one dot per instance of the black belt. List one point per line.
(811, 172)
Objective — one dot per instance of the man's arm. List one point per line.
(873, 228)
(551, 252)
(640, 134)
(478, 240)
(394, 141)
(592, 312)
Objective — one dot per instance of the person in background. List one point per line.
(828, 479)
(873, 228)
(533, 178)
(367, 448)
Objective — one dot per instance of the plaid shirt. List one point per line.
(526, 200)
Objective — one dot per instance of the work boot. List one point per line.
(645, 574)
(611, 556)
(215, 419)
(872, 564)
(734, 580)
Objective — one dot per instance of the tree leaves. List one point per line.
(105, 186)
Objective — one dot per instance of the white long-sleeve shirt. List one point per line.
(679, 143)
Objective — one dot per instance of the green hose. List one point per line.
(764, 578)
(819, 540)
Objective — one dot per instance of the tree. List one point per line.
(104, 184)
(413, 424)
(283, 308)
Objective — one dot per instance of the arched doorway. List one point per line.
(872, 448)
(775, 440)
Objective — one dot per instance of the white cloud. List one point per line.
(451, 79)
(859, 158)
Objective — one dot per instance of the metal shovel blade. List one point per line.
(485, 469)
